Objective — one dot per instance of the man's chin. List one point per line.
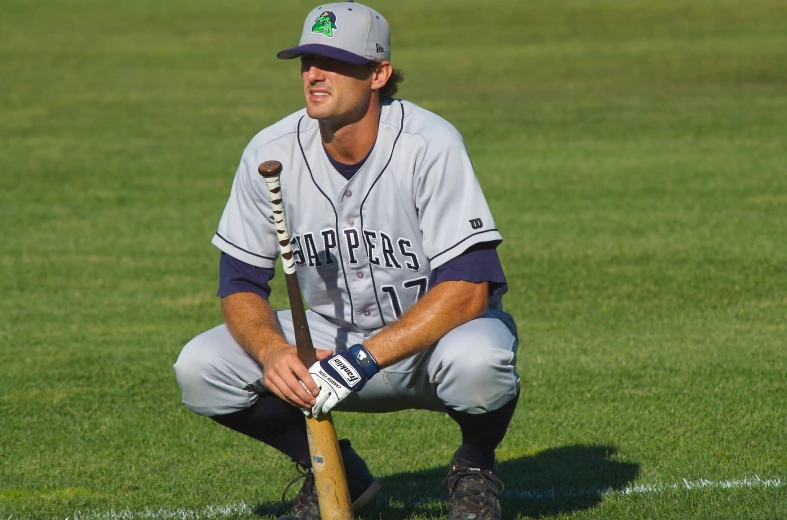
(314, 114)
(318, 113)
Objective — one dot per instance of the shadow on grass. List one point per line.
(558, 480)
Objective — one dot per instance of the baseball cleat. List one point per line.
(361, 483)
(473, 492)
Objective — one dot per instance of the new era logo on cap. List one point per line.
(379, 48)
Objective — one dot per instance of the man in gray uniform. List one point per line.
(395, 253)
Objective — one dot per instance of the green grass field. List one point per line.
(634, 154)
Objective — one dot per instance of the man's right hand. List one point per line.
(252, 322)
(283, 373)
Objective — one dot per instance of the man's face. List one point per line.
(335, 90)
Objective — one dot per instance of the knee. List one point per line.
(215, 374)
(477, 351)
(193, 368)
(210, 384)
(477, 369)
(192, 361)
(476, 366)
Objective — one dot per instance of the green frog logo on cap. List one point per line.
(325, 24)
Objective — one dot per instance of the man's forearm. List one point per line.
(251, 322)
(445, 307)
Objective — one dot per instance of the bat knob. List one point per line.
(270, 169)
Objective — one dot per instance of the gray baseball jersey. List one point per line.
(364, 248)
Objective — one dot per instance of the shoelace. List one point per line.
(305, 474)
(479, 481)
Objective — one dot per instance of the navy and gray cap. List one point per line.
(345, 31)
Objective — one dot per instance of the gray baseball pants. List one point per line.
(471, 369)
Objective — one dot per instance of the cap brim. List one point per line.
(323, 50)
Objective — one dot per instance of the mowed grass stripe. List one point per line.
(246, 510)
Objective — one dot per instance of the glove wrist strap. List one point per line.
(364, 359)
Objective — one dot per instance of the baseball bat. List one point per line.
(330, 482)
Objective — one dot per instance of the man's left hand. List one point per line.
(339, 375)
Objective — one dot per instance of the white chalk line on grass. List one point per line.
(641, 489)
(243, 509)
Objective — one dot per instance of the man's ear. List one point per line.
(381, 74)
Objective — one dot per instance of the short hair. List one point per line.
(391, 87)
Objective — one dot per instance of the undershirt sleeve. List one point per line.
(237, 276)
(479, 263)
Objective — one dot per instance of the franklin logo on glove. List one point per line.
(345, 370)
(340, 375)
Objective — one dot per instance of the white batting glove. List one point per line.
(340, 375)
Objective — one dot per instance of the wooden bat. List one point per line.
(329, 479)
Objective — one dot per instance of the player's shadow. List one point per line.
(554, 481)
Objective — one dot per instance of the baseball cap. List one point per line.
(344, 31)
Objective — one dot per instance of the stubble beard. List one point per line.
(334, 118)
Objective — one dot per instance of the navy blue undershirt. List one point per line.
(236, 276)
(347, 170)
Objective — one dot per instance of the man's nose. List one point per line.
(315, 73)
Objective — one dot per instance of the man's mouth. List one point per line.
(318, 95)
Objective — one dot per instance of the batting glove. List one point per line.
(340, 375)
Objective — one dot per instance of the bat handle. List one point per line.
(271, 172)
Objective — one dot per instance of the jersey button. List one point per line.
(349, 222)
(359, 275)
(348, 194)
(367, 313)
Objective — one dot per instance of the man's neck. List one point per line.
(350, 143)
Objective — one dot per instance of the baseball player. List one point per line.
(395, 252)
